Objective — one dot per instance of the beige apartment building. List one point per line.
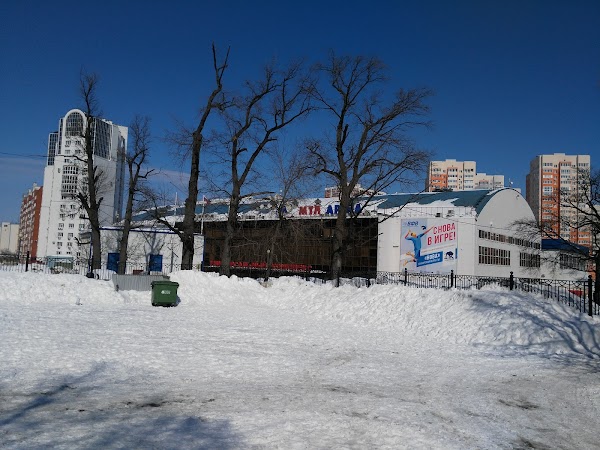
(459, 176)
(549, 176)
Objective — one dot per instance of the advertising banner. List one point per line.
(428, 245)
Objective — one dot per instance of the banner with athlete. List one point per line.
(428, 245)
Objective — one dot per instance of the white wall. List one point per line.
(497, 216)
(388, 245)
(142, 243)
(9, 237)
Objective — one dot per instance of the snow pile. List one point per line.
(492, 317)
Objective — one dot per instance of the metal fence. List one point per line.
(582, 294)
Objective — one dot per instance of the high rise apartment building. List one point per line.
(459, 176)
(29, 221)
(61, 217)
(549, 177)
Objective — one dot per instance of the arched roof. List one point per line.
(476, 199)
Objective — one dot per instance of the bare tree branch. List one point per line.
(369, 146)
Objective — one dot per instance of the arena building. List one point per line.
(468, 232)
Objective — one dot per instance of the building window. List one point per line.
(573, 262)
(494, 256)
(71, 225)
(74, 125)
(529, 260)
(61, 226)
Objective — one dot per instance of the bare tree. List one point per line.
(90, 193)
(136, 159)
(368, 146)
(192, 143)
(252, 123)
(290, 174)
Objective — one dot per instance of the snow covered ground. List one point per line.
(292, 366)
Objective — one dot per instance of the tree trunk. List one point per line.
(189, 222)
(339, 237)
(96, 244)
(271, 250)
(234, 204)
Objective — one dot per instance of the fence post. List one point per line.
(590, 301)
(511, 281)
(405, 276)
(452, 278)
(27, 262)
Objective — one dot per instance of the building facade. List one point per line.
(469, 232)
(459, 176)
(29, 221)
(551, 176)
(9, 237)
(61, 216)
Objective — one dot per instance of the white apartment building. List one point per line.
(459, 176)
(9, 237)
(549, 175)
(61, 216)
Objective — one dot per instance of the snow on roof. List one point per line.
(265, 208)
(476, 199)
(564, 246)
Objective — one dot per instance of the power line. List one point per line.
(23, 156)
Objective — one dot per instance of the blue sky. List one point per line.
(512, 79)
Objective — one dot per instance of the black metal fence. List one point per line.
(582, 295)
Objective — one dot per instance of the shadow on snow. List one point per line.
(68, 415)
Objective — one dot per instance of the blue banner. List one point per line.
(431, 258)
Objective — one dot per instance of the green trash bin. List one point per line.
(164, 293)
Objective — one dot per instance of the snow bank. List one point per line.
(490, 318)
